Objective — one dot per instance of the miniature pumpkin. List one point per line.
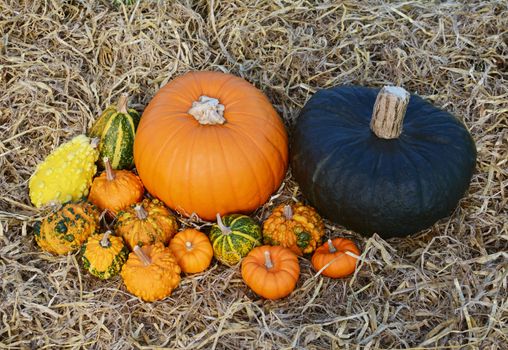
(103, 255)
(192, 250)
(115, 190)
(271, 272)
(116, 128)
(65, 230)
(210, 142)
(333, 252)
(394, 173)
(233, 237)
(294, 226)
(66, 174)
(151, 272)
(146, 223)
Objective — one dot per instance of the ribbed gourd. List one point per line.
(66, 174)
(103, 255)
(116, 129)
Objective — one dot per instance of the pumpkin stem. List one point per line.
(140, 212)
(142, 256)
(331, 247)
(268, 260)
(207, 111)
(288, 212)
(188, 245)
(110, 174)
(122, 104)
(105, 242)
(225, 230)
(389, 111)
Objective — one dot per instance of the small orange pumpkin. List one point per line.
(271, 272)
(333, 252)
(115, 190)
(192, 249)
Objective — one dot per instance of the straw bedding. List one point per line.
(61, 63)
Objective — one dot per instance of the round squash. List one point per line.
(146, 223)
(333, 254)
(210, 143)
(271, 272)
(294, 226)
(192, 250)
(116, 128)
(233, 237)
(115, 190)
(380, 160)
(151, 272)
(65, 230)
(103, 255)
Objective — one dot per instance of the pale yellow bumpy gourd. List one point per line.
(66, 174)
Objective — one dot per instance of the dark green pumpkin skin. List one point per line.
(372, 185)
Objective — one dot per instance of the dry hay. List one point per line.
(63, 62)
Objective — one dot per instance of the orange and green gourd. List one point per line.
(65, 230)
(103, 255)
(233, 237)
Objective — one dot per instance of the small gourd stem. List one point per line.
(331, 247)
(207, 111)
(142, 256)
(105, 242)
(389, 111)
(94, 142)
(188, 245)
(225, 230)
(140, 212)
(288, 212)
(110, 174)
(122, 104)
(268, 260)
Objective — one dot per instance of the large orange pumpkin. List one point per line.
(210, 143)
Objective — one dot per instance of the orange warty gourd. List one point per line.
(192, 250)
(333, 252)
(210, 143)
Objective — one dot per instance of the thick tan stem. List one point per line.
(207, 111)
(268, 260)
(288, 212)
(140, 212)
(122, 104)
(225, 230)
(389, 110)
(188, 245)
(142, 256)
(105, 242)
(110, 174)
(331, 247)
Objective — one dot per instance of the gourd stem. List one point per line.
(288, 212)
(142, 256)
(94, 142)
(331, 247)
(105, 242)
(122, 104)
(268, 260)
(188, 245)
(207, 111)
(110, 174)
(140, 212)
(389, 111)
(225, 230)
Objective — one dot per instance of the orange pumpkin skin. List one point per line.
(342, 265)
(115, 190)
(210, 169)
(275, 282)
(192, 250)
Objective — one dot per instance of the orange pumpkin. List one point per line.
(333, 252)
(115, 190)
(271, 272)
(210, 143)
(192, 250)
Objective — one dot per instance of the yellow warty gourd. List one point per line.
(66, 174)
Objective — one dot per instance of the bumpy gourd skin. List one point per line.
(104, 261)
(66, 174)
(67, 229)
(301, 233)
(155, 281)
